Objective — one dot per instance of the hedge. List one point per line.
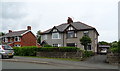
(25, 51)
(31, 50)
(115, 50)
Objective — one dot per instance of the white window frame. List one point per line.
(6, 39)
(58, 45)
(54, 30)
(70, 28)
(86, 32)
(18, 39)
(57, 34)
(17, 45)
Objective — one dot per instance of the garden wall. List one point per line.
(113, 58)
(75, 55)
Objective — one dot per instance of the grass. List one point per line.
(69, 59)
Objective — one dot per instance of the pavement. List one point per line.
(96, 62)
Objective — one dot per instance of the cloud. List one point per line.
(13, 10)
(101, 14)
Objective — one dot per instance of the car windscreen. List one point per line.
(6, 47)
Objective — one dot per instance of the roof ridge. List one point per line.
(61, 24)
(18, 31)
(85, 24)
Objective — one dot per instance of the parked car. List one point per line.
(104, 51)
(6, 51)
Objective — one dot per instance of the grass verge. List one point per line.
(69, 59)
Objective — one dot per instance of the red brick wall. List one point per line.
(28, 39)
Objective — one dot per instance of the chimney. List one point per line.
(69, 20)
(28, 27)
(10, 31)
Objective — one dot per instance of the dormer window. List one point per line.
(17, 39)
(54, 30)
(70, 28)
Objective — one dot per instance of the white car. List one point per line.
(104, 51)
(6, 51)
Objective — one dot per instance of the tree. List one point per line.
(103, 43)
(39, 36)
(1, 33)
(85, 40)
(119, 46)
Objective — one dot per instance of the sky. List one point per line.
(44, 14)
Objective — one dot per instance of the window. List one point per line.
(44, 37)
(71, 44)
(6, 39)
(70, 28)
(71, 34)
(17, 45)
(89, 47)
(55, 36)
(86, 33)
(17, 39)
(56, 45)
(54, 30)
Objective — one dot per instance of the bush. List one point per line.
(87, 54)
(25, 51)
(114, 50)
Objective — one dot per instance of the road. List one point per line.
(96, 62)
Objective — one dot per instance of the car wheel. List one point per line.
(2, 57)
(10, 56)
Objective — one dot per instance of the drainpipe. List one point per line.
(63, 39)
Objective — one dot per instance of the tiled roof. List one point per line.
(76, 25)
(15, 33)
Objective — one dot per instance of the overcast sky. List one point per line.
(44, 14)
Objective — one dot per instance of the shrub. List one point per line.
(87, 54)
(25, 51)
(114, 50)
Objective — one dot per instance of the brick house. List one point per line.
(20, 38)
(69, 34)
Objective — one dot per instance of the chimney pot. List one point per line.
(10, 31)
(69, 20)
(28, 27)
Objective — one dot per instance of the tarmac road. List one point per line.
(96, 62)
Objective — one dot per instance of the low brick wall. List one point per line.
(75, 55)
(113, 58)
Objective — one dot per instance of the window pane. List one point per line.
(55, 35)
(89, 47)
(70, 34)
(71, 45)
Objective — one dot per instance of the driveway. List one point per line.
(97, 59)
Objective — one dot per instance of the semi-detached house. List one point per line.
(69, 34)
